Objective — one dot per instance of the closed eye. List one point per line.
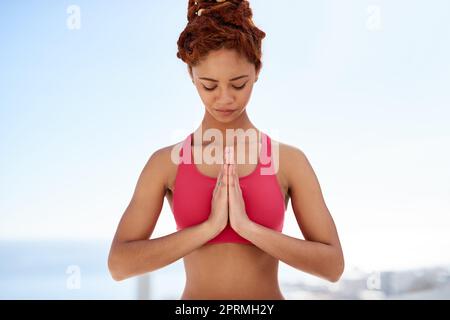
(236, 88)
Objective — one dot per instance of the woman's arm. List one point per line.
(320, 253)
(320, 259)
(132, 253)
(132, 258)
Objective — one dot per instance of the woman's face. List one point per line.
(225, 82)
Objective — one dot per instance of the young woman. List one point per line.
(229, 213)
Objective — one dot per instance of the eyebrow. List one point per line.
(234, 79)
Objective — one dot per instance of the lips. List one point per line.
(225, 110)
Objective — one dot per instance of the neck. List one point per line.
(241, 123)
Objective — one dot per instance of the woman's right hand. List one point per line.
(218, 219)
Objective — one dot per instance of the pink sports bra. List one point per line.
(192, 196)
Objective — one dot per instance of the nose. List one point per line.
(225, 96)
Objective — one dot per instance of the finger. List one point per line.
(236, 179)
(229, 155)
(231, 189)
(216, 187)
(224, 176)
(231, 178)
(219, 179)
(228, 159)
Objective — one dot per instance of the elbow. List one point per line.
(117, 276)
(337, 269)
(116, 268)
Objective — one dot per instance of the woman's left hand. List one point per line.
(237, 215)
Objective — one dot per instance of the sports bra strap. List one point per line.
(185, 151)
(266, 150)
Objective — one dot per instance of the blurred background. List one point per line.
(90, 89)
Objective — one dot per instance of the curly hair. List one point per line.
(217, 24)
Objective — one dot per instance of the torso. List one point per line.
(239, 271)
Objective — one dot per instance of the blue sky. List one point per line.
(82, 110)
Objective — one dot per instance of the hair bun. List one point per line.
(216, 24)
(218, 9)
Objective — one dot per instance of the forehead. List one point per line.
(223, 63)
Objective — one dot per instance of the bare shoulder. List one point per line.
(164, 163)
(141, 215)
(293, 156)
(292, 159)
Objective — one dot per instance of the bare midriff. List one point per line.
(231, 271)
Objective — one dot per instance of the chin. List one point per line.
(225, 119)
